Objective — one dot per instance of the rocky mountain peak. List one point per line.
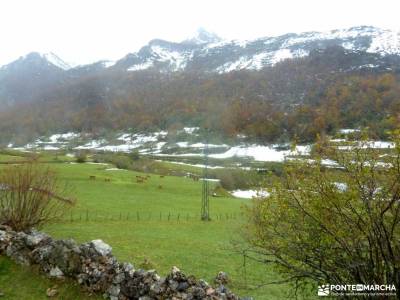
(202, 36)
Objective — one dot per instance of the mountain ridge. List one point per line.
(209, 53)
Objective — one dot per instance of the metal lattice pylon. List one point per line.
(205, 203)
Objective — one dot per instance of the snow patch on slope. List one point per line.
(143, 66)
(56, 61)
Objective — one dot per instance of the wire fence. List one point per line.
(137, 216)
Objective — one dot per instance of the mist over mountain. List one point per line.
(167, 83)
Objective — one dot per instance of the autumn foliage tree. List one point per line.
(327, 226)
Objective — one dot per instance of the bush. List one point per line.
(332, 226)
(134, 155)
(81, 157)
(231, 179)
(31, 196)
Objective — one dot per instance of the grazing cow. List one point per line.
(193, 176)
(92, 177)
(162, 176)
(107, 179)
(160, 187)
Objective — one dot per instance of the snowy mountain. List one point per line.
(29, 76)
(50, 59)
(38, 76)
(207, 52)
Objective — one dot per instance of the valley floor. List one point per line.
(155, 225)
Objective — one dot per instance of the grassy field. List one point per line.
(25, 283)
(156, 224)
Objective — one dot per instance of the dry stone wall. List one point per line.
(97, 270)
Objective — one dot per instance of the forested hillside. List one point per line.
(301, 97)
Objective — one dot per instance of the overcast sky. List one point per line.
(84, 31)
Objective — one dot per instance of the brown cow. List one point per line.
(92, 177)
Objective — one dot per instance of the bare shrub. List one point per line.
(30, 196)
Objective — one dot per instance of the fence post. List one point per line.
(244, 269)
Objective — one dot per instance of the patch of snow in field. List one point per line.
(210, 179)
(190, 130)
(29, 146)
(183, 144)
(55, 138)
(91, 145)
(137, 138)
(342, 187)
(118, 148)
(115, 169)
(369, 144)
(162, 133)
(383, 164)
(338, 140)
(10, 145)
(70, 155)
(49, 147)
(262, 153)
(192, 165)
(200, 145)
(329, 163)
(380, 144)
(156, 150)
(349, 130)
(159, 145)
(249, 194)
(179, 155)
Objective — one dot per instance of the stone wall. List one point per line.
(97, 270)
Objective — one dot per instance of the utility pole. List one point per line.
(205, 203)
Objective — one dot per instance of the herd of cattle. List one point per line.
(143, 179)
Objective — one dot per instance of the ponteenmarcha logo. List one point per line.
(323, 290)
(357, 290)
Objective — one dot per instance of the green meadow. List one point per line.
(156, 225)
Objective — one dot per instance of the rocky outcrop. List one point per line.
(97, 270)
